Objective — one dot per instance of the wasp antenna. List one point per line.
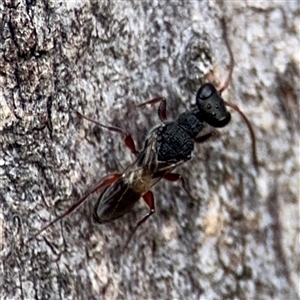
(252, 134)
(231, 63)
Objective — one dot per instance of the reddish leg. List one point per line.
(129, 142)
(149, 199)
(162, 109)
(205, 137)
(107, 180)
(175, 177)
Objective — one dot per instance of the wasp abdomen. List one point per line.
(115, 201)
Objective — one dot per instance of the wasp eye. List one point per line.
(205, 91)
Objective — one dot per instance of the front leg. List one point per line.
(203, 138)
(162, 109)
(129, 142)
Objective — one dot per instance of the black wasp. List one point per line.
(166, 147)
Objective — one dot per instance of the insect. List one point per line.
(167, 146)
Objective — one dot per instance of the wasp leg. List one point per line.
(172, 177)
(107, 180)
(205, 137)
(149, 199)
(129, 142)
(162, 109)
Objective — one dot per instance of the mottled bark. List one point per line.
(240, 240)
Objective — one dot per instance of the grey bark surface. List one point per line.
(240, 240)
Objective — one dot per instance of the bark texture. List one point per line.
(240, 240)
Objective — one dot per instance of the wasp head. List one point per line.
(211, 106)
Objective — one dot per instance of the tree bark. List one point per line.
(239, 240)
